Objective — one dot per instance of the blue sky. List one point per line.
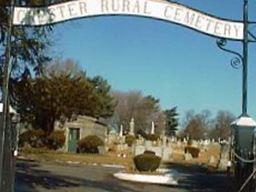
(179, 66)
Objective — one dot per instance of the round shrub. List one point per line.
(149, 152)
(190, 142)
(142, 133)
(56, 139)
(90, 144)
(193, 151)
(146, 162)
(34, 138)
(152, 137)
(129, 140)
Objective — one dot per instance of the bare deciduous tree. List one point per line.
(133, 104)
(60, 67)
(222, 124)
(196, 126)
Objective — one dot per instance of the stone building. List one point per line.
(80, 128)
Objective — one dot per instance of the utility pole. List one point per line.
(6, 156)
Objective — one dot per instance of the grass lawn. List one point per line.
(111, 158)
(61, 157)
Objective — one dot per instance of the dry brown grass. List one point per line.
(60, 157)
(112, 159)
(203, 159)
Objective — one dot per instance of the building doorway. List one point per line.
(74, 136)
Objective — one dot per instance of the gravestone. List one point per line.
(178, 143)
(122, 147)
(148, 143)
(212, 160)
(132, 124)
(121, 131)
(224, 156)
(194, 144)
(188, 157)
(164, 141)
(111, 138)
(102, 150)
(140, 141)
(152, 128)
(173, 139)
(163, 152)
(121, 140)
(139, 149)
(166, 153)
(185, 141)
(157, 150)
(206, 142)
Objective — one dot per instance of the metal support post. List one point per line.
(245, 59)
(6, 167)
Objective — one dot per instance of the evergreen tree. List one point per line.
(29, 45)
(60, 96)
(171, 122)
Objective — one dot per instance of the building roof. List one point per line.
(244, 121)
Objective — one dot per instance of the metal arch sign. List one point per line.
(158, 9)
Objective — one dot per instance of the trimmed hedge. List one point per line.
(129, 140)
(90, 144)
(35, 138)
(193, 151)
(152, 137)
(149, 152)
(56, 139)
(190, 141)
(142, 133)
(147, 162)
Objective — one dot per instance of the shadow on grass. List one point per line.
(196, 178)
(29, 177)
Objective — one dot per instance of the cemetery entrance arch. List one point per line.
(173, 12)
(220, 28)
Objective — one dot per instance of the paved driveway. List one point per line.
(38, 177)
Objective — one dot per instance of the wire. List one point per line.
(242, 159)
(245, 161)
(247, 181)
